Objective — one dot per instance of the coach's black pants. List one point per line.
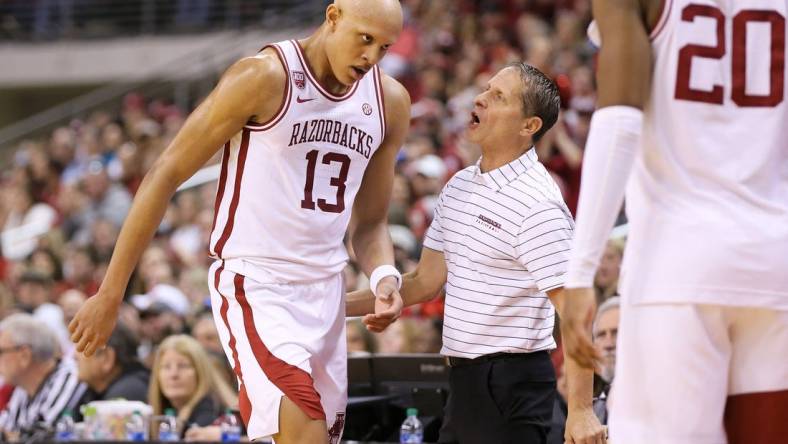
(503, 398)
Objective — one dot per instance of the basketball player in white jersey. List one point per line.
(692, 106)
(310, 130)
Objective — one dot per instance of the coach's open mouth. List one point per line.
(474, 120)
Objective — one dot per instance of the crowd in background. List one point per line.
(44, 20)
(76, 185)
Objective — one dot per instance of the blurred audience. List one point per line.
(34, 296)
(360, 341)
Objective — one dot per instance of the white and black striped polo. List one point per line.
(56, 393)
(505, 235)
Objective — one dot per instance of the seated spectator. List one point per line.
(45, 385)
(184, 379)
(114, 371)
(606, 278)
(108, 200)
(158, 320)
(26, 218)
(205, 332)
(34, 296)
(70, 302)
(604, 333)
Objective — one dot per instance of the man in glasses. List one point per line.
(45, 384)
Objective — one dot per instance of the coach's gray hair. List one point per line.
(29, 331)
(609, 304)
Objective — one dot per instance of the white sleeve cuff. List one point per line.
(612, 145)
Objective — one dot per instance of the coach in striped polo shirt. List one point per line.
(499, 243)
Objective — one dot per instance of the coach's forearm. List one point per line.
(580, 381)
(580, 384)
(372, 244)
(420, 286)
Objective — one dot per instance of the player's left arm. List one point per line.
(369, 233)
(624, 83)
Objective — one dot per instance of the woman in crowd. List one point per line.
(184, 379)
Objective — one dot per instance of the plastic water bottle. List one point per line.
(135, 427)
(231, 430)
(411, 431)
(91, 431)
(168, 427)
(64, 429)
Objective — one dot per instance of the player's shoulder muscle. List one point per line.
(254, 84)
(397, 102)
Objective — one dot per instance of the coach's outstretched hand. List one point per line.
(388, 306)
(576, 319)
(93, 324)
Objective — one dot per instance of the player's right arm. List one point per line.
(624, 83)
(250, 89)
(420, 285)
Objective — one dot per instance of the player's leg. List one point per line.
(758, 399)
(329, 364)
(269, 343)
(329, 370)
(296, 427)
(671, 375)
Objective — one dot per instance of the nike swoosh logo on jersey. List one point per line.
(300, 100)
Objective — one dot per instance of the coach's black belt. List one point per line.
(455, 361)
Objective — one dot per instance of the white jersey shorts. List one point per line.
(677, 364)
(283, 340)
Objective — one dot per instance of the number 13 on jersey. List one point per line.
(339, 182)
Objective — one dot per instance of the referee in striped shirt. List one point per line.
(45, 385)
(499, 243)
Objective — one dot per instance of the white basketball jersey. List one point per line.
(708, 200)
(286, 187)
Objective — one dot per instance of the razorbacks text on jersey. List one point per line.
(287, 186)
(708, 199)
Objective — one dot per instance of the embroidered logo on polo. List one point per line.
(488, 223)
(299, 79)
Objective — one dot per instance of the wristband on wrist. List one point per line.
(382, 272)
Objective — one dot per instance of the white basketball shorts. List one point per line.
(678, 363)
(283, 340)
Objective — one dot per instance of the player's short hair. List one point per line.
(540, 97)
